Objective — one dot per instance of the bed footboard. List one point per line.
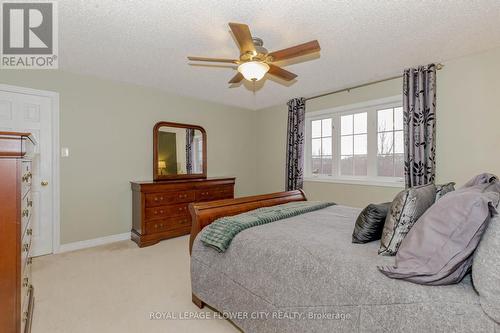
(204, 213)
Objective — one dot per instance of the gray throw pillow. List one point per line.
(439, 249)
(442, 189)
(486, 270)
(370, 223)
(405, 210)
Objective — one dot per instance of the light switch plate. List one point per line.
(64, 152)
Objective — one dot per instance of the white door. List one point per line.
(30, 113)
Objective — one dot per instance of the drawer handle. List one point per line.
(26, 212)
(27, 177)
(184, 221)
(26, 282)
(29, 232)
(182, 208)
(26, 247)
(30, 203)
(30, 261)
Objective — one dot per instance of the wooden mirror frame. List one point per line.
(156, 129)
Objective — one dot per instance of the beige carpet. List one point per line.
(113, 288)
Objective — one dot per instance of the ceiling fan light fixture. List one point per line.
(253, 70)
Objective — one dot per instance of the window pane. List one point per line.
(385, 165)
(346, 145)
(315, 165)
(384, 118)
(316, 128)
(398, 142)
(316, 147)
(360, 144)
(399, 165)
(346, 124)
(327, 146)
(385, 143)
(398, 118)
(360, 123)
(326, 168)
(346, 165)
(360, 165)
(327, 127)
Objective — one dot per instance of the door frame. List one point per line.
(56, 195)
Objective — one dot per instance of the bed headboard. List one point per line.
(204, 213)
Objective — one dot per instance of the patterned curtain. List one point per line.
(295, 144)
(189, 150)
(419, 109)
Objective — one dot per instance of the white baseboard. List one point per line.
(92, 242)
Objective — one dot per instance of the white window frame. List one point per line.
(370, 107)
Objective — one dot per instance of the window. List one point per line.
(390, 151)
(321, 146)
(360, 143)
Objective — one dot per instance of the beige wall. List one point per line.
(468, 132)
(108, 129)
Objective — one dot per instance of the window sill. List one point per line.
(357, 181)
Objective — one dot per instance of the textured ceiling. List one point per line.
(146, 41)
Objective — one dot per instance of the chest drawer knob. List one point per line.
(30, 261)
(29, 232)
(26, 282)
(26, 212)
(26, 247)
(30, 203)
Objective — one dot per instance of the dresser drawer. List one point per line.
(167, 198)
(167, 224)
(27, 312)
(26, 177)
(26, 281)
(26, 208)
(25, 251)
(166, 211)
(214, 193)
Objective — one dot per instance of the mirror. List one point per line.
(179, 151)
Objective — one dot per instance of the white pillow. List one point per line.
(486, 270)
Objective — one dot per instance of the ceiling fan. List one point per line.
(255, 61)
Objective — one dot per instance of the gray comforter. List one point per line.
(309, 277)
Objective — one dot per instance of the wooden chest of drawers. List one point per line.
(160, 209)
(16, 205)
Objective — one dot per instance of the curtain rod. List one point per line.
(439, 66)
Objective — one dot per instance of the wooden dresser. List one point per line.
(16, 291)
(160, 208)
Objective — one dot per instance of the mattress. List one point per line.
(303, 274)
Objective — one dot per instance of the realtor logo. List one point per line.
(29, 35)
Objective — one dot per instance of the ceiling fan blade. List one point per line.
(237, 78)
(243, 36)
(281, 73)
(296, 51)
(232, 61)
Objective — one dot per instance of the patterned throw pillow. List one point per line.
(442, 189)
(405, 210)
